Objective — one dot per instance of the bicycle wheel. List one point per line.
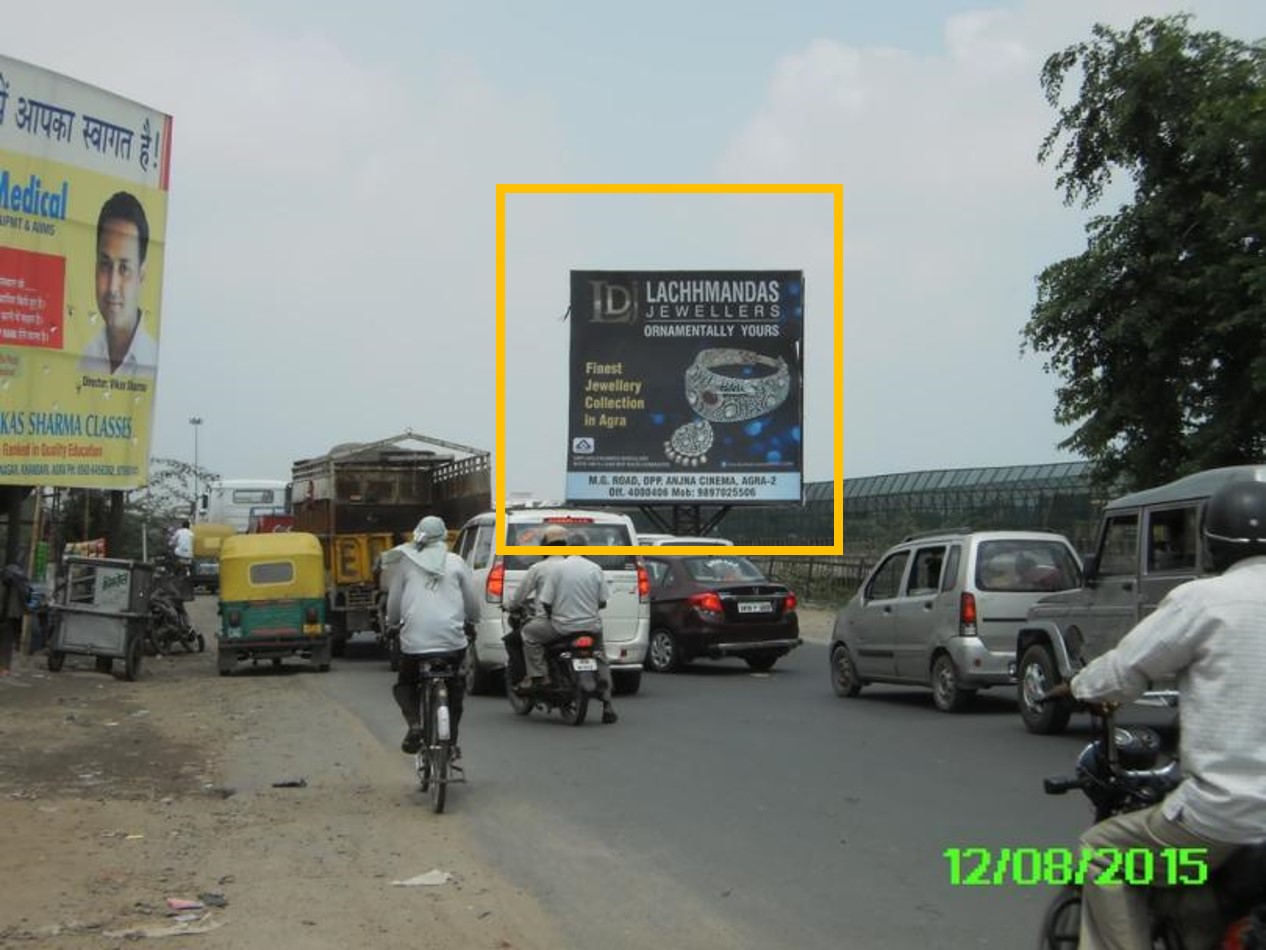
(439, 774)
(437, 749)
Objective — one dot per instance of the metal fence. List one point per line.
(819, 580)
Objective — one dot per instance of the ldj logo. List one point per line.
(613, 303)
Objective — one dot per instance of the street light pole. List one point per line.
(195, 421)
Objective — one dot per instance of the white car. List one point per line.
(673, 540)
(625, 620)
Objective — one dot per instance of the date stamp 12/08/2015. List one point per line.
(1138, 867)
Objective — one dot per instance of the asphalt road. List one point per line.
(730, 809)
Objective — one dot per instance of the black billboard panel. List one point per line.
(686, 387)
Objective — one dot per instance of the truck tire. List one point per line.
(1037, 673)
(338, 633)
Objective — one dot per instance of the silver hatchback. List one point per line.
(944, 610)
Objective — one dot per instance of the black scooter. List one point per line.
(1120, 771)
(573, 673)
(169, 622)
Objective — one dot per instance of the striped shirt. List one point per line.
(1211, 634)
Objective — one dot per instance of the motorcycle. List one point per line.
(169, 622)
(1120, 771)
(573, 672)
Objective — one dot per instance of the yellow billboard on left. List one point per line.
(83, 226)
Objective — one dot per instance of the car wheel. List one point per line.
(948, 695)
(480, 682)
(1036, 675)
(663, 655)
(761, 662)
(844, 678)
(626, 682)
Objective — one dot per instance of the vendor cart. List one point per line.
(101, 609)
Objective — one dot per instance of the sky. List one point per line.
(330, 259)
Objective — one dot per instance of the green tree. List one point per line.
(1158, 329)
(150, 511)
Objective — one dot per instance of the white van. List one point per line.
(625, 620)
(231, 501)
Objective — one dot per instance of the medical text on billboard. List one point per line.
(686, 387)
(83, 220)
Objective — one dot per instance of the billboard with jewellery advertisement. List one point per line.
(686, 387)
(83, 227)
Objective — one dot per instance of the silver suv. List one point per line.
(944, 609)
(1149, 542)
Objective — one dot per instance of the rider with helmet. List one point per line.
(1211, 634)
(534, 579)
(433, 593)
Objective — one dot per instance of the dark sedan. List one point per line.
(717, 606)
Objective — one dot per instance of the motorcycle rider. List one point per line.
(182, 548)
(555, 535)
(1211, 634)
(433, 594)
(573, 591)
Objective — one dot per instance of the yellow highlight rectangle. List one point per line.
(837, 428)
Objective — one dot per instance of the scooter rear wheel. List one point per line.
(574, 708)
(522, 705)
(1061, 924)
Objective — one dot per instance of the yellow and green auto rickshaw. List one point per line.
(272, 600)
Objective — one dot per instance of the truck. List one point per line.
(363, 498)
(232, 501)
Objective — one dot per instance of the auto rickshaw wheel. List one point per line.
(202, 643)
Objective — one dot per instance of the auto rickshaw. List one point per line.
(272, 600)
(207, 539)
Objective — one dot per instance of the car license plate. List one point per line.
(584, 665)
(312, 628)
(756, 607)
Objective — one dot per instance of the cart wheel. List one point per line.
(202, 643)
(132, 662)
(104, 664)
(56, 659)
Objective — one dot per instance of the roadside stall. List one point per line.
(101, 609)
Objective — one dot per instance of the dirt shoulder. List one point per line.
(116, 796)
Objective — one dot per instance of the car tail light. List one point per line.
(310, 615)
(496, 583)
(643, 582)
(967, 615)
(583, 643)
(789, 603)
(709, 602)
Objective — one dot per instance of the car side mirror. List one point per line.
(1089, 569)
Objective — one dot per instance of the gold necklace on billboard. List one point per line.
(718, 397)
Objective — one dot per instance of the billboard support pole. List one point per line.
(685, 520)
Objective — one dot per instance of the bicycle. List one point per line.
(433, 763)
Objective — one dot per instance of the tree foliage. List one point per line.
(1158, 329)
(150, 511)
